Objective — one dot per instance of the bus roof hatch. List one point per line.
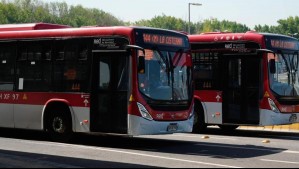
(31, 26)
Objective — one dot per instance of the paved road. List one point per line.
(235, 150)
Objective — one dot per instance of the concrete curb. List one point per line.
(283, 128)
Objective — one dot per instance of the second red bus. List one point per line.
(245, 79)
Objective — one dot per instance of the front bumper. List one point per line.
(269, 118)
(140, 126)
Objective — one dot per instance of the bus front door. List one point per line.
(241, 90)
(109, 97)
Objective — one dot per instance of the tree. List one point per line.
(32, 11)
(209, 25)
(289, 26)
(164, 22)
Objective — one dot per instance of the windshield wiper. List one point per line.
(171, 65)
(289, 67)
(166, 62)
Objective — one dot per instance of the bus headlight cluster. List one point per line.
(145, 114)
(273, 106)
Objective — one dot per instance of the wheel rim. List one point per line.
(58, 125)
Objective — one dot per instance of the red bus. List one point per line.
(119, 80)
(245, 79)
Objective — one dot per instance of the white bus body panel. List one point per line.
(6, 114)
(28, 116)
(81, 114)
(267, 117)
(213, 113)
(31, 117)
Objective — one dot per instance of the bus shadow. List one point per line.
(180, 147)
(15, 159)
(254, 133)
(213, 150)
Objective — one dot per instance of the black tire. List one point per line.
(59, 126)
(228, 128)
(199, 125)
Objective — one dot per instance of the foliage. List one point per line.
(289, 26)
(32, 11)
(164, 22)
(210, 25)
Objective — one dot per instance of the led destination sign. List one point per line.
(281, 43)
(284, 44)
(163, 40)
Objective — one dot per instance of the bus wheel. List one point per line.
(59, 127)
(228, 127)
(199, 125)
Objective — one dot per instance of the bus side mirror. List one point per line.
(141, 64)
(272, 66)
(141, 58)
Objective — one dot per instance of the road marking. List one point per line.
(291, 152)
(130, 153)
(286, 137)
(169, 158)
(277, 161)
(151, 156)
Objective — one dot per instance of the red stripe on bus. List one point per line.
(73, 99)
(209, 96)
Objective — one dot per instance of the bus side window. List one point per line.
(7, 62)
(71, 70)
(34, 67)
(206, 71)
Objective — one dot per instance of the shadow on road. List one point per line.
(13, 159)
(255, 133)
(213, 150)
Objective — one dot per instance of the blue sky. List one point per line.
(249, 12)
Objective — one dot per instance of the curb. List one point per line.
(283, 128)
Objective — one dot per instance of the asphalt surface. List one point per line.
(213, 149)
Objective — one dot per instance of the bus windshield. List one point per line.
(285, 82)
(167, 76)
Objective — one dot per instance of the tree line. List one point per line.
(31, 11)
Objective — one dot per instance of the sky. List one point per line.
(248, 12)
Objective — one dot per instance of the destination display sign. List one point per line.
(275, 43)
(149, 38)
(163, 40)
(284, 44)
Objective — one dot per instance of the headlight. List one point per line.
(273, 106)
(145, 114)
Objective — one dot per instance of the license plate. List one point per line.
(293, 118)
(172, 128)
